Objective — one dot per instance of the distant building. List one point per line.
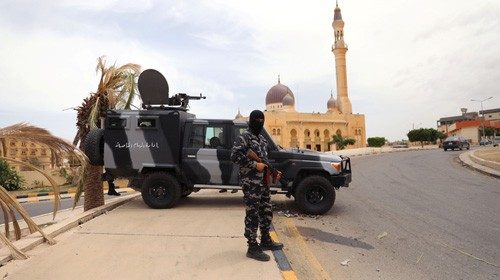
(469, 125)
(314, 131)
(29, 152)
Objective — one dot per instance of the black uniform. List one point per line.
(256, 195)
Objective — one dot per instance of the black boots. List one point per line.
(255, 252)
(266, 243)
(111, 189)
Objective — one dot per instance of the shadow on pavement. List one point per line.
(333, 238)
(207, 202)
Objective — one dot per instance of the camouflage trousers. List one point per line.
(258, 209)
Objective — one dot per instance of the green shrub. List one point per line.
(9, 178)
(376, 141)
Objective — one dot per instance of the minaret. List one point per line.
(339, 49)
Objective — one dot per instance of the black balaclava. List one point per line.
(256, 122)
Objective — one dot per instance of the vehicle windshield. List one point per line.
(451, 139)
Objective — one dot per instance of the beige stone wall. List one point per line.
(469, 133)
(492, 116)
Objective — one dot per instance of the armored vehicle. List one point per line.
(167, 153)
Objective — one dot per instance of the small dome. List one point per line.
(277, 93)
(288, 100)
(331, 104)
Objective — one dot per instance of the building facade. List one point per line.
(314, 131)
(470, 125)
(29, 152)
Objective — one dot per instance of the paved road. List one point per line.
(441, 222)
(44, 207)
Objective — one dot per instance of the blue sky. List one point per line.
(409, 62)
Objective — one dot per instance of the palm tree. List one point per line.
(341, 142)
(116, 90)
(8, 204)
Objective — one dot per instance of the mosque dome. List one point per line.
(331, 104)
(277, 93)
(288, 100)
(238, 116)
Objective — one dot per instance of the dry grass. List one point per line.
(491, 154)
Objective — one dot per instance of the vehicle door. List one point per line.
(206, 155)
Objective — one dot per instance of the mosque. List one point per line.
(314, 131)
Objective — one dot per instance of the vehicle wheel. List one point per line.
(93, 146)
(468, 147)
(315, 195)
(160, 190)
(460, 148)
(445, 150)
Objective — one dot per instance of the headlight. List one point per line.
(337, 166)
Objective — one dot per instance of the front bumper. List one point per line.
(345, 176)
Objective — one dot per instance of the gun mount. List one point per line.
(154, 89)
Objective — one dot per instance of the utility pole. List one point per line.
(482, 111)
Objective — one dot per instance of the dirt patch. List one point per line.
(491, 154)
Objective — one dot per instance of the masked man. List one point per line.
(257, 197)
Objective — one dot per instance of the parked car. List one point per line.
(485, 142)
(496, 141)
(455, 142)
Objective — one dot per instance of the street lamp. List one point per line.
(482, 120)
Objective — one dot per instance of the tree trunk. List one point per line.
(94, 196)
(3, 142)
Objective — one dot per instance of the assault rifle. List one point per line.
(271, 174)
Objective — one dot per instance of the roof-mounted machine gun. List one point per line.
(182, 99)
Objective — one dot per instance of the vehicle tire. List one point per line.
(445, 149)
(315, 195)
(161, 190)
(468, 147)
(93, 147)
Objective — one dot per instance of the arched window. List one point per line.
(338, 132)
(274, 131)
(307, 133)
(279, 131)
(316, 133)
(293, 133)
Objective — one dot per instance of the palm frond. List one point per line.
(55, 186)
(16, 253)
(94, 117)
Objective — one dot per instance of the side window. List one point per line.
(238, 131)
(215, 137)
(197, 136)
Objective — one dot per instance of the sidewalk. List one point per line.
(374, 151)
(136, 242)
(481, 164)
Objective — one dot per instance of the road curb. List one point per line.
(465, 158)
(31, 241)
(284, 265)
(387, 152)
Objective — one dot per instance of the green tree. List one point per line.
(376, 141)
(9, 178)
(341, 142)
(116, 90)
(489, 131)
(422, 135)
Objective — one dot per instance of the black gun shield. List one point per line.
(153, 88)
